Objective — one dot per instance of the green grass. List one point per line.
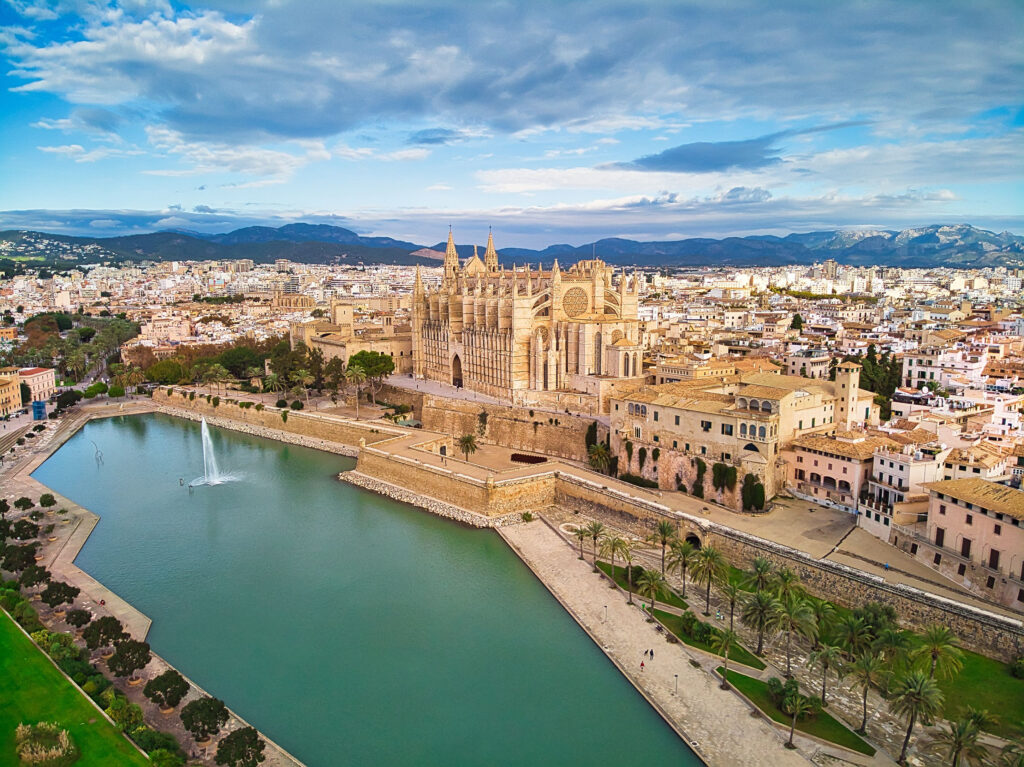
(669, 598)
(986, 683)
(32, 690)
(738, 654)
(739, 578)
(823, 726)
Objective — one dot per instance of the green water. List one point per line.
(351, 629)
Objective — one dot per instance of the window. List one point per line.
(940, 536)
(655, 415)
(677, 420)
(913, 549)
(743, 430)
(970, 519)
(705, 425)
(993, 559)
(636, 432)
(656, 438)
(998, 530)
(703, 450)
(937, 560)
(885, 521)
(942, 508)
(991, 582)
(727, 429)
(965, 548)
(961, 569)
(1020, 595)
(687, 447)
(726, 456)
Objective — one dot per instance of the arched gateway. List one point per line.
(456, 371)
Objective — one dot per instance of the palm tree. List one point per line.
(787, 584)
(894, 645)
(959, 740)
(760, 577)
(581, 535)
(709, 567)
(467, 445)
(650, 584)
(732, 593)
(941, 647)
(867, 672)
(610, 547)
(824, 616)
(758, 612)
(1012, 755)
(796, 705)
(627, 554)
(723, 642)
(216, 374)
(356, 376)
(794, 616)
(914, 695)
(681, 556)
(599, 456)
(272, 383)
(595, 530)
(853, 634)
(663, 534)
(304, 379)
(828, 657)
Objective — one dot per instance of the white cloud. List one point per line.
(439, 188)
(206, 157)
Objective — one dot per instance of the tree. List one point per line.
(46, 500)
(216, 374)
(126, 715)
(334, 374)
(33, 575)
(78, 618)
(303, 380)
(662, 535)
(787, 584)
(242, 748)
(731, 592)
(824, 616)
(1012, 755)
(796, 705)
(24, 503)
(893, 645)
(599, 457)
(959, 741)
(611, 546)
(651, 584)
(939, 646)
(797, 323)
(867, 672)
(709, 567)
(4, 508)
(581, 535)
(104, 632)
(165, 372)
(723, 642)
(681, 556)
(627, 555)
(59, 593)
(376, 365)
(827, 657)
(166, 690)
(163, 757)
(758, 613)
(761, 575)
(17, 558)
(595, 530)
(129, 656)
(852, 634)
(914, 696)
(204, 717)
(356, 376)
(24, 530)
(467, 445)
(794, 616)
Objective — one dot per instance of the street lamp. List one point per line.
(677, 684)
(606, 613)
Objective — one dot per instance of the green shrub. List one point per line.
(284, 416)
(527, 516)
(33, 741)
(1017, 667)
(150, 740)
(641, 457)
(215, 401)
(191, 396)
(259, 405)
(635, 479)
(281, 403)
(296, 405)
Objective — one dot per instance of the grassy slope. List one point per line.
(737, 654)
(669, 598)
(32, 690)
(823, 726)
(988, 684)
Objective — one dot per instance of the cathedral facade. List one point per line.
(504, 332)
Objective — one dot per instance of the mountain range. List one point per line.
(960, 245)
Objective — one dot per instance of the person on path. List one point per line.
(652, 654)
(641, 666)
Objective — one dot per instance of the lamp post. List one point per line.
(606, 613)
(677, 684)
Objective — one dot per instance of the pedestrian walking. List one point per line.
(652, 654)
(641, 665)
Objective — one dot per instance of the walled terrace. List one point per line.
(422, 467)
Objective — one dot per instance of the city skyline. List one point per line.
(566, 125)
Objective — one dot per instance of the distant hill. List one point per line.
(930, 246)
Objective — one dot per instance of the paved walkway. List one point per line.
(715, 721)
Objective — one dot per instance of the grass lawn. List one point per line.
(739, 577)
(737, 654)
(669, 598)
(32, 690)
(823, 726)
(987, 683)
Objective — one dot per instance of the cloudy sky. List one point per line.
(551, 122)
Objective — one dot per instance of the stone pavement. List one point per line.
(716, 722)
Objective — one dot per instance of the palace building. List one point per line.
(512, 333)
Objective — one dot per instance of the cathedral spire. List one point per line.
(490, 255)
(451, 259)
(417, 286)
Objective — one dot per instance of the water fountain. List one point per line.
(212, 475)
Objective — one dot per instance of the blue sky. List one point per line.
(551, 122)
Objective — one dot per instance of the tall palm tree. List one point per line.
(959, 741)
(627, 554)
(595, 530)
(867, 671)
(611, 546)
(760, 577)
(894, 645)
(828, 657)
(794, 616)
(941, 647)
(356, 376)
(651, 584)
(787, 584)
(599, 457)
(216, 374)
(732, 594)
(272, 383)
(796, 705)
(914, 696)
(581, 535)
(680, 557)
(723, 642)
(709, 567)
(758, 613)
(853, 634)
(663, 534)
(824, 616)
(304, 379)
(467, 445)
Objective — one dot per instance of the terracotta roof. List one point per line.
(861, 450)
(33, 371)
(989, 495)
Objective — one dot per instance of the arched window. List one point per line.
(743, 430)
(766, 406)
(643, 410)
(755, 405)
(631, 408)
(761, 432)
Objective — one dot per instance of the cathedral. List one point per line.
(508, 332)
